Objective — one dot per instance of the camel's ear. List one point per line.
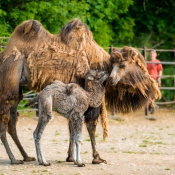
(115, 53)
(132, 52)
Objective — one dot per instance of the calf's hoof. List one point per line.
(29, 159)
(81, 165)
(69, 159)
(45, 164)
(16, 162)
(98, 161)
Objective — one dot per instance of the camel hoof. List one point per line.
(98, 161)
(81, 165)
(69, 159)
(17, 162)
(29, 159)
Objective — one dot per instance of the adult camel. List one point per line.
(35, 57)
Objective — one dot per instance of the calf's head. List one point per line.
(94, 80)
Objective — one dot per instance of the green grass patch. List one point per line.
(59, 161)
(88, 139)
(142, 145)
(85, 152)
(57, 133)
(145, 143)
(132, 152)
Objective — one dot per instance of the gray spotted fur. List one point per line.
(71, 101)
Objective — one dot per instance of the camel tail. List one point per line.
(33, 101)
(104, 120)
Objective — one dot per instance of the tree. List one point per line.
(103, 17)
(154, 26)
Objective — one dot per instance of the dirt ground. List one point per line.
(135, 146)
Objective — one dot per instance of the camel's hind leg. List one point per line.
(12, 129)
(12, 69)
(6, 145)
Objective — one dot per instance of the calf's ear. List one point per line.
(91, 78)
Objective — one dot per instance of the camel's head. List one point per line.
(94, 79)
(122, 61)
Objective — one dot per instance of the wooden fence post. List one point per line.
(144, 52)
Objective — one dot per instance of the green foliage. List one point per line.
(103, 17)
(154, 26)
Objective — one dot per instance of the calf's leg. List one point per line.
(45, 114)
(70, 151)
(76, 137)
(91, 117)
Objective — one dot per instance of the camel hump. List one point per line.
(28, 26)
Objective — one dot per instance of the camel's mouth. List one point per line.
(113, 82)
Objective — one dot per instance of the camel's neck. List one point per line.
(96, 96)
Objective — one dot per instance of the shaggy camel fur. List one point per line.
(71, 101)
(131, 84)
(39, 58)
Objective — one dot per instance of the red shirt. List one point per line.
(154, 69)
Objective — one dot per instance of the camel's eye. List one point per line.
(91, 78)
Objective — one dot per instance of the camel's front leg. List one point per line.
(91, 127)
(76, 137)
(13, 133)
(91, 117)
(6, 145)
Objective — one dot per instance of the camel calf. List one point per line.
(71, 101)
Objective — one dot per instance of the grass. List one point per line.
(59, 161)
(85, 152)
(88, 139)
(57, 133)
(28, 113)
(132, 152)
(145, 143)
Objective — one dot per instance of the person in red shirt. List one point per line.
(155, 69)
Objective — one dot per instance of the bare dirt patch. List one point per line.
(136, 146)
